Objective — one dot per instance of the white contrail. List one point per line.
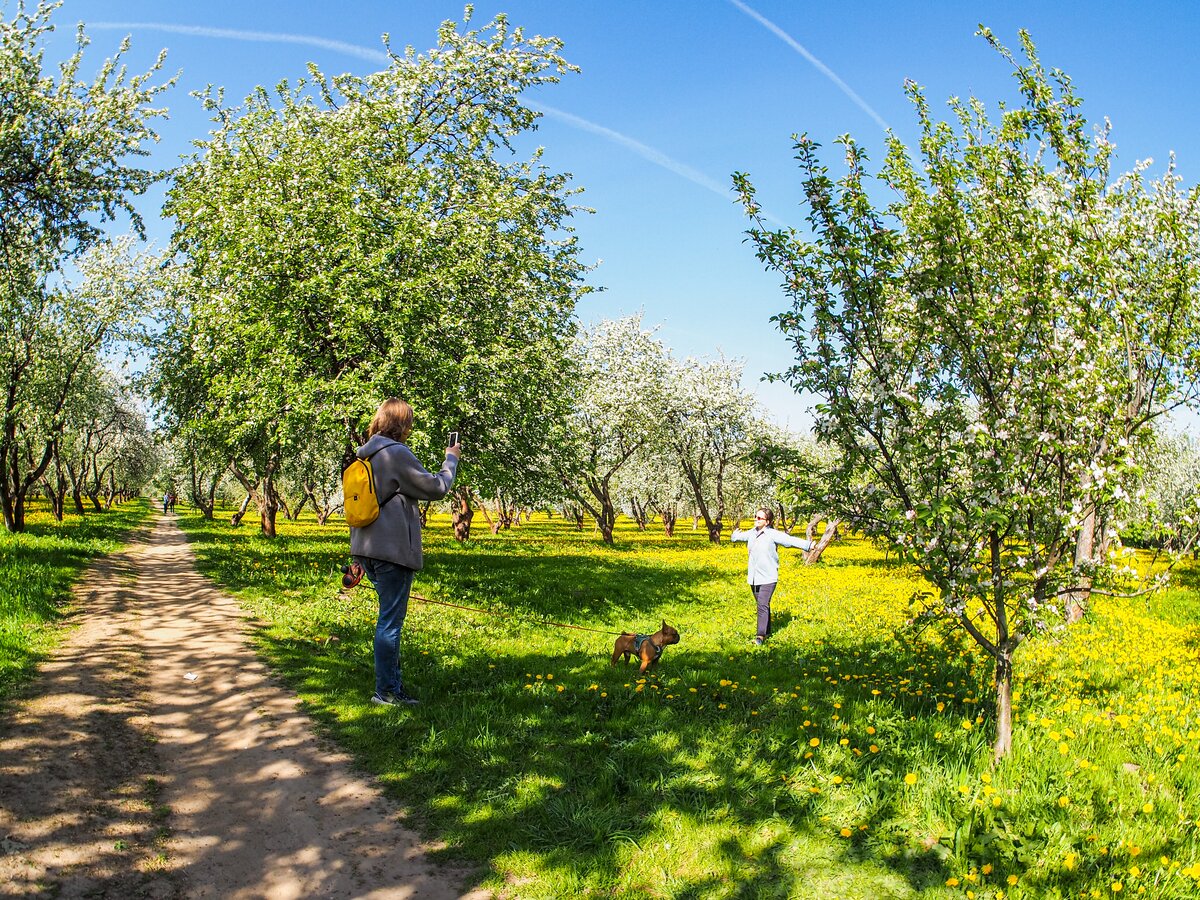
(820, 66)
(645, 152)
(378, 56)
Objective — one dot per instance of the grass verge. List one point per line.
(38, 568)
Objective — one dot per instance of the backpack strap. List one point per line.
(368, 458)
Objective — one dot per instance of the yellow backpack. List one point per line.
(360, 502)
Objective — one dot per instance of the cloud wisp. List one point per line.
(817, 64)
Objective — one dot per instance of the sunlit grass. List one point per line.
(849, 757)
(37, 570)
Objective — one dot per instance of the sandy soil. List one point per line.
(155, 756)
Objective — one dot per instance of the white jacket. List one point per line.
(763, 564)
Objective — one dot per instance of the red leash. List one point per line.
(488, 612)
(353, 574)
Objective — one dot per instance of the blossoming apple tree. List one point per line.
(349, 238)
(990, 344)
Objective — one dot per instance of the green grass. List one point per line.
(849, 757)
(38, 568)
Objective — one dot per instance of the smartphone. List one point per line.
(453, 439)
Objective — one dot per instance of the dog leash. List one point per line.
(488, 612)
(492, 613)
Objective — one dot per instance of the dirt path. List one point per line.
(154, 756)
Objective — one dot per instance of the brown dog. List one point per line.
(646, 647)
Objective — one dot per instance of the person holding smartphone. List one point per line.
(389, 549)
(762, 570)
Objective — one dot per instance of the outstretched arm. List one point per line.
(784, 539)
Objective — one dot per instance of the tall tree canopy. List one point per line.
(990, 345)
(68, 154)
(350, 238)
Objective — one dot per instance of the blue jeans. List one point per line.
(393, 584)
(762, 598)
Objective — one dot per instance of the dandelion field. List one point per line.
(848, 757)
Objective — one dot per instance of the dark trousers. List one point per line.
(393, 584)
(762, 598)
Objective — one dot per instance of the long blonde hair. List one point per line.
(393, 419)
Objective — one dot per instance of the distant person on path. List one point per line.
(389, 549)
(763, 567)
(166, 501)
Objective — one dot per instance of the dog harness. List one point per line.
(639, 639)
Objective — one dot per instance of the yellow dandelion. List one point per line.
(951, 882)
(910, 778)
(870, 729)
(845, 832)
(815, 742)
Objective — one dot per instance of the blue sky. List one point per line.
(675, 96)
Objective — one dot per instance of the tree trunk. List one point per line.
(236, 518)
(461, 513)
(1003, 703)
(1076, 600)
(58, 496)
(830, 535)
(56, 501)
(604, 513)
(269, 509)
(574, 512)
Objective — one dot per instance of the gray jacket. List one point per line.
(396, 535)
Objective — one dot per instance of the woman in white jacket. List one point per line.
(762, 571)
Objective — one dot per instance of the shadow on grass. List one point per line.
(564, 756)
(534, 747)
